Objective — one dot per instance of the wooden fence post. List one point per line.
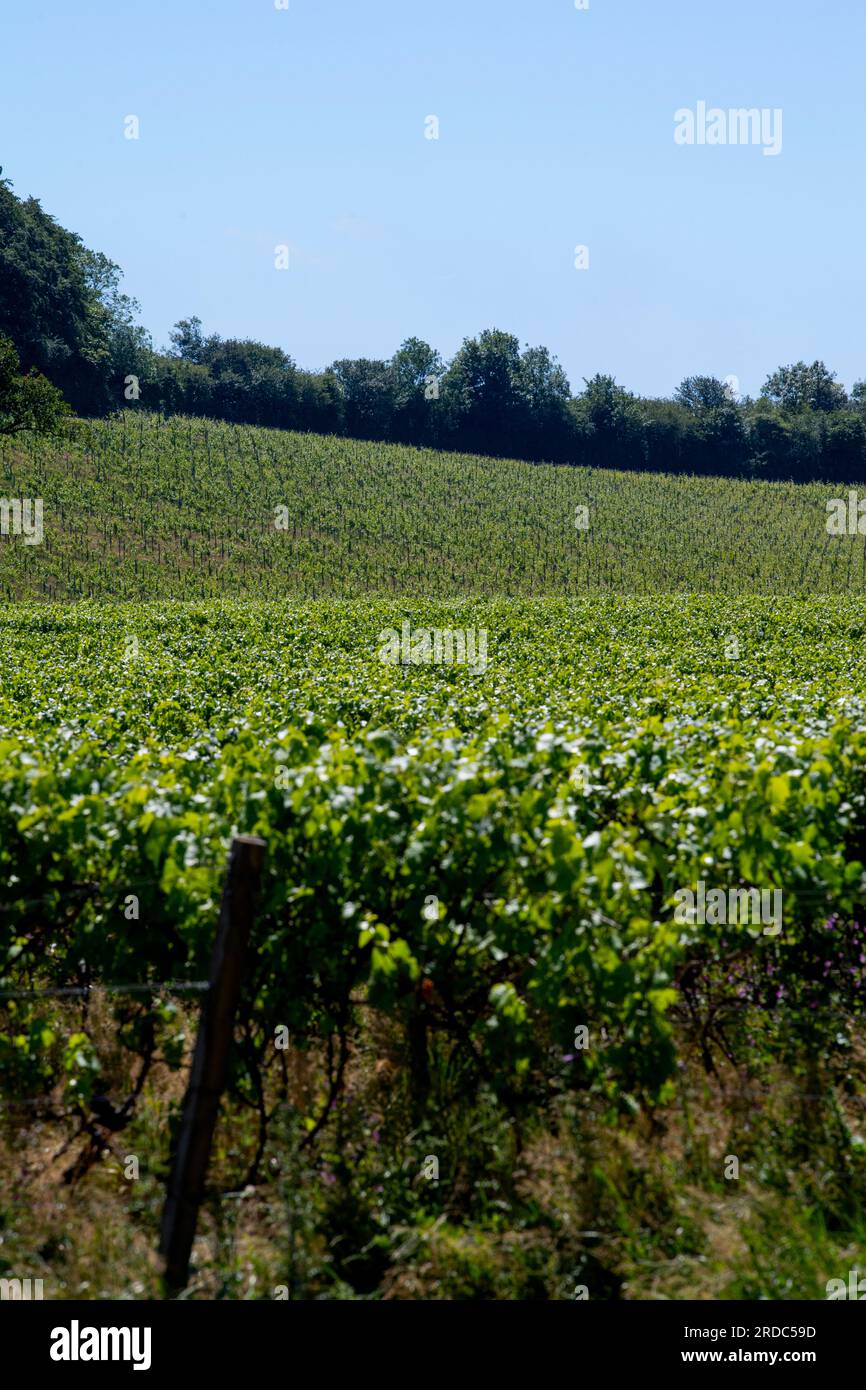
(210, 1061)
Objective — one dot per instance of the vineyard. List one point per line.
(479, 1053)
(138, 507)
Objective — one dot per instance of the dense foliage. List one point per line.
(491, 858)
(27, 402)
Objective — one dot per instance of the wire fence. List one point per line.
(148, 987)
(94, 892)
(804, 895)
(80, 892)
(79, 991)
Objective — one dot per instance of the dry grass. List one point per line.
(635, 1210)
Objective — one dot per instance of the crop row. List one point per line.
(494, 854)
(140, 507)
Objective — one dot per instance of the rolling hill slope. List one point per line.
(139, 507)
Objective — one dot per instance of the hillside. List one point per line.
(138, 507)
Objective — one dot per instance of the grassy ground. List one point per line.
(573, 1206)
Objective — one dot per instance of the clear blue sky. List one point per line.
(261, 126)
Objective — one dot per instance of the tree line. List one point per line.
(67, 325)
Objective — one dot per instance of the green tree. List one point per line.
(483, 388)
(128, 351)
(614, 424)
(415, 365)
(702, 393)
(769, 434)
(669, 434)
(188, 340)
(417, 370)
(801, 387)
(845, 447)
(367, 387)
(51, 301)
(545, 393)
(27, 402)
